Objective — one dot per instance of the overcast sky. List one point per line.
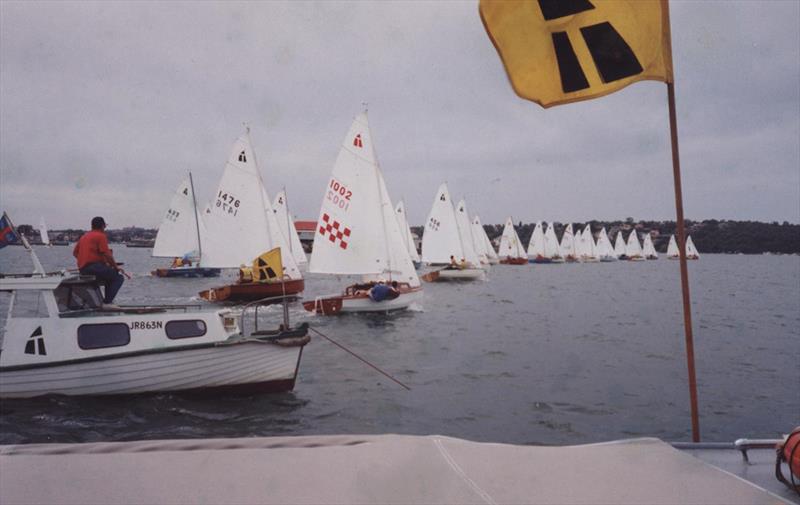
(105, 106)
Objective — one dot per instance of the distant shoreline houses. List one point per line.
(710, 236)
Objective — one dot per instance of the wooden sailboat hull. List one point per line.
(455, 274)
(361, 302)
(187, 272)
(514, 261)
(251, 291)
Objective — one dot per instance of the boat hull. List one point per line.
(246, 367)
(333, 305)
(251, 291)
(187, 272)
(455, 274)
(514, 261)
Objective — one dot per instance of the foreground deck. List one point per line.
(380, 469)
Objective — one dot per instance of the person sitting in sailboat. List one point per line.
(95, 258)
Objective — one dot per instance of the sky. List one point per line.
(105, 106)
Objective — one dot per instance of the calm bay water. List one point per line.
(545, 354)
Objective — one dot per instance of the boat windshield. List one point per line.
(80, 295)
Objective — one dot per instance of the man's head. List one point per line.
(98, 223)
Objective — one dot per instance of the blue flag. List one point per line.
(7, 233)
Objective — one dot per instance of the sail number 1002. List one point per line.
(339, 195)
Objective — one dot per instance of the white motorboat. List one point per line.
(61, 339)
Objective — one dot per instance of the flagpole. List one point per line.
(687, 307)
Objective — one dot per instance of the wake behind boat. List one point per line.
(359, 234)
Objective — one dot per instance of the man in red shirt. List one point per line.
(95, 258)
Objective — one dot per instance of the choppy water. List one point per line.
(546, 354)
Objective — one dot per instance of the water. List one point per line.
(538, 354)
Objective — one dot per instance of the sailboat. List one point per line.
(633, 249)
(648, 249)
(479, 235)
(443, 243)
(405, 230)
(568, 249)
(691, 250)
(536, 245)
(179, 236)
(465, 230)
(604, 249)
(619, 246)
(286, 224)
(672, 249)
(358, 234)
(242, 229)
(588, 248)
(43, 232)
(511, 251)
(552, 249)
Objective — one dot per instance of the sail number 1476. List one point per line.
(339, 195)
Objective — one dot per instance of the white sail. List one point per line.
(691, 250)
(480, 233)
(405, 229)
(619, 245)
(590, 252)
(648, 249)
(582, 248)
(286, 225)
(441, 238)
(552, 249)
(633, 249)
(180, 227)
(568, 249)
(357, 231)
(510, 244)
(240, 223)
(43, 232)
(672, 248)
(465, 233)
(536, 245)
(604, 248)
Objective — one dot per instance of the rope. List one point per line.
(337, 344)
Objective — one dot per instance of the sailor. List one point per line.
(95, 258)
(453, 262)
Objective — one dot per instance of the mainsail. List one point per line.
(536, 245)
(568, 249)
(672, 248)
(286, 224)
(182, 230)
(471, 253)
(405, 229)
(479, 233)
(43, 232)
(441, 238)
(552, 249)
(510, 244)
(648, 249)
(619, 245)
(633, 249)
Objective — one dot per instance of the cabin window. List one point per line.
(185, 329)
(29, 303)
(100, 336)
(78, 297)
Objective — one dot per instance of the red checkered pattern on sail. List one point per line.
(334, 230)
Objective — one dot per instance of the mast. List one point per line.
(196, 220)
(288, 223)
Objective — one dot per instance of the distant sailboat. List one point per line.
(536, 246)
(568, 249)
(286, 224)
(672, 249)
(604, 249)
(242, 229)
(633, 249)
(588, 248)
(691, 250)
(511, 251)
(552, 249)
(648, 249)
(465, 231)
(443, 243)
(479, 234)
(43, 232)
(405, 230)
(358, 234)
(180, 236)
(619, 246)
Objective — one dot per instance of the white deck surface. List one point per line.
(365, 469)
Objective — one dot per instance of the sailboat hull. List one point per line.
(455, 274)
(187, 272)
(353, 301)
(514, 261)
(252, 291)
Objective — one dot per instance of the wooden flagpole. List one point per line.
(687, 306)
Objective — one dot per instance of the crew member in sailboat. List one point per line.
(95, 258)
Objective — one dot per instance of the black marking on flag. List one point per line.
(572, 76)
(613, 56)
(554, 9)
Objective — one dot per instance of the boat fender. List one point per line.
(788, 452)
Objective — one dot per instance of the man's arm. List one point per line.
(105, 252)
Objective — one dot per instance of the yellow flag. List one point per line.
(561, 51)
(268, 266)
